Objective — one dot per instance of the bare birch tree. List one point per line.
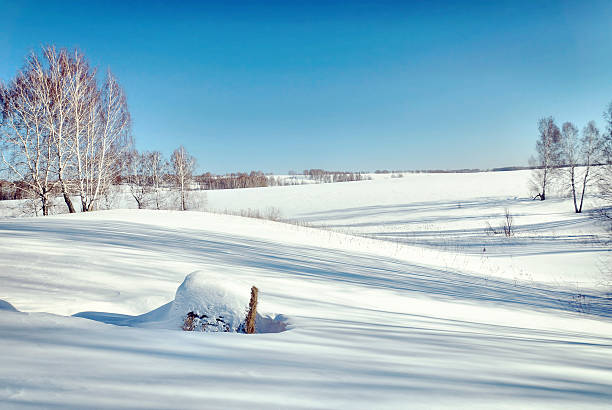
(607, 137)
(27, 147)
(138, 177)
(549, 153)
(605, 176)
(159, 170)
(571, 157)
(84, 108)
(183, 166)
(579, 156)
(55, 72)
(105, 140)
(590, 153)
(145, 175)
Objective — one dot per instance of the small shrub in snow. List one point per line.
(507, 224)
(194, 321)
(580, 303)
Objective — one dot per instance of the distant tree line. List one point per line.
(573, 158)
(14, 190)
(452, 171)
(254, 179)
(323, 176)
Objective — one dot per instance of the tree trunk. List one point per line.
(69, 203)
(584, 184)
(544, 180)
(45, 205)
(574, 192)
(65, 189)
(183, 207)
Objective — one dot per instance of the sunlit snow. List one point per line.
(393, 304)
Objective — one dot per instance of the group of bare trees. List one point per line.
(146, 174)
(152, 179)
(61, 130)
(576, 160)
(65, 133)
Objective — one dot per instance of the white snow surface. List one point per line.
(417, 322)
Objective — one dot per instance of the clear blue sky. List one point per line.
(287, 85)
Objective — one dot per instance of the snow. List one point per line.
(451, 212)
(215, 300)
(4, 305)
(212, 296)
(422, 321)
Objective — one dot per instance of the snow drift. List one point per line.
(219, 304)
(216, 302)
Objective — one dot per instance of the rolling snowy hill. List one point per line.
(393, 305)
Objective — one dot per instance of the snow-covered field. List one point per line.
(404, 300)
(451, 212)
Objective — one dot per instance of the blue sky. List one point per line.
(278, 86)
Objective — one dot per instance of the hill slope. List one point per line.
(371, 325)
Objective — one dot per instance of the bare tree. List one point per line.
(104, 142)
(507, 224)
(145, 174)
(605, 176)
(607, 136)
(56, 71)
(590, 151)
(84, 106)
(549, 153)
(138, 177)
(159, 171)
(183, 166)
(27, 147)
(571, 157)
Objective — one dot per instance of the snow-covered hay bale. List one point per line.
(210, 303)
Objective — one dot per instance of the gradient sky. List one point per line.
(278, 86)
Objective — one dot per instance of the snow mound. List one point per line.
(216, 303)
(205, 301)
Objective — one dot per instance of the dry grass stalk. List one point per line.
(250, 319)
